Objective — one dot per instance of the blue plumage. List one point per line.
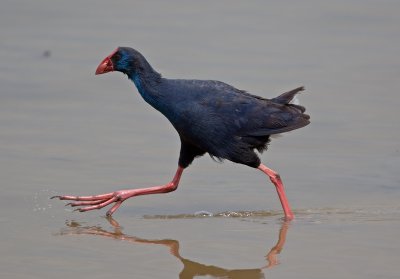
(212, 116)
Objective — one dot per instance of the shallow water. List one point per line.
(65, 131)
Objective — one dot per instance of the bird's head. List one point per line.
(123, 59)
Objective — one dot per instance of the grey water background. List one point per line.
(65, 131)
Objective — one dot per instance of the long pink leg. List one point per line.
(276, 179)
(117, 197)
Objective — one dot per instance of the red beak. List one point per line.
(106, 65)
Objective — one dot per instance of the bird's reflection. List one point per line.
(191, 269)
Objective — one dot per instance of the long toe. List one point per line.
(85, 198)
(84, 203)
(98, 206)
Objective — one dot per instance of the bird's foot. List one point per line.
(87, 203)
(288, 216)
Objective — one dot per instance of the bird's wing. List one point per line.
(251, 115)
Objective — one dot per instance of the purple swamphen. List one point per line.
(210, 117)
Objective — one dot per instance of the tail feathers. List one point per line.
(286, 97)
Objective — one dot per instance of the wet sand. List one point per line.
(65, 131)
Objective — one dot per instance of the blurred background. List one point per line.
(65, 131)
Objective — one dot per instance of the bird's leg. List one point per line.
(117, 197)
(276, 179)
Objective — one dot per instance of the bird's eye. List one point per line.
(117, 56)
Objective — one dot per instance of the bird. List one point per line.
(209, 116)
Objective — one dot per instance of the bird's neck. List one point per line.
(146, 80)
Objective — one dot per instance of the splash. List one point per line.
(41, 200)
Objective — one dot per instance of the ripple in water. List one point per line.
(314, 215)
(207, 214)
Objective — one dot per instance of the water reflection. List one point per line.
(191, 269)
